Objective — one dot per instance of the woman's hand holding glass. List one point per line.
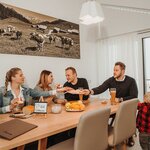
(16, 102)
(13, 103)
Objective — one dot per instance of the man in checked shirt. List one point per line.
(143, 122)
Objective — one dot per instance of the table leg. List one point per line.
(42, 144)
(19, 148)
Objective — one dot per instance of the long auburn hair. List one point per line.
(43, 81)
(11, 73)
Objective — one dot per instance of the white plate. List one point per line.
(74, 110)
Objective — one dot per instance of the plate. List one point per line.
(75, 106)
(21, 116)
(74, 110)
(17, 115)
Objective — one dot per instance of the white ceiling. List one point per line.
(135, 16)
(145, 4)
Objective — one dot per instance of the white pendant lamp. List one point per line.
(91, 13)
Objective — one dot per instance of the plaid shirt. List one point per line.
(143, 118)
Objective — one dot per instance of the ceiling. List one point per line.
(124, 16)
(143, 4)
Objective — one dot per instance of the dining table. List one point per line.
(50, 124)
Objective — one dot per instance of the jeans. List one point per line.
(144, 139)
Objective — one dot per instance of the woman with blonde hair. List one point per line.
(14, 94)
(44, 84)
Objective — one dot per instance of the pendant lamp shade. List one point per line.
(91, 12)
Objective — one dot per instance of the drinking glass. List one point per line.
(113, 96)
(80, 93)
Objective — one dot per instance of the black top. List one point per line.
(126, 89)
(80, 83)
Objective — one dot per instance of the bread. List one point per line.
(27, 110)
(75, 105)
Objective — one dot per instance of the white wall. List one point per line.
(115, 23)
(32, 66)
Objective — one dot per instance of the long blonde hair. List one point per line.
(43, 81)
(11, 73)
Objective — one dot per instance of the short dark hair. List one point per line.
(71, 68)
(121, 64)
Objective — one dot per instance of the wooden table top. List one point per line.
(52, 124)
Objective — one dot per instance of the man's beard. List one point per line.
(117, 77)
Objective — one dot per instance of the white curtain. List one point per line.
(123, 48)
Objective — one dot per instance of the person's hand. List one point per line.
(64, 89)
(14, 103)
(58, 86)
(86, 92)
(117, 100)
(86, 101)
(73, 91)
(68, 88)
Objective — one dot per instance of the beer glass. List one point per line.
(113, 96)
(80, 93)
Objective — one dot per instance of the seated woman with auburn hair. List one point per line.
(46, 78)
(15, 95)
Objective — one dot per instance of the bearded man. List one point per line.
(126, 88)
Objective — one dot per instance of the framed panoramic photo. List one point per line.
(40, 107)
(24, 32)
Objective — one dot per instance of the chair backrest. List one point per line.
(92, 130)
(125, 121)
